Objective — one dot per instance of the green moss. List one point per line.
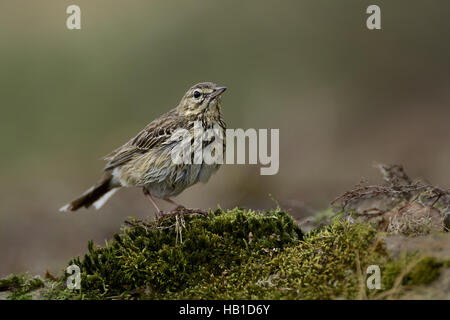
(329, 263)
(20, 286)
(322, 266)
(325, 265)
(146, 260)
(236, 254)
(412, 270)
(426, 271)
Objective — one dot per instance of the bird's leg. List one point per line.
(160, 212)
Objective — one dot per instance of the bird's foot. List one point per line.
(184, 211)
(160, 214)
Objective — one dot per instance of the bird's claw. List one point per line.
(182, 210)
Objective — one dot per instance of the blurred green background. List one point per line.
(342, 96)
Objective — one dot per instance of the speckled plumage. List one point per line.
(145, 161)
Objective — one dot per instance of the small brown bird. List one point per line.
(145, 161)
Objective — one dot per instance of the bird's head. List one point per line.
(203, 98)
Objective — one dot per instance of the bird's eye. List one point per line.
(197, 94)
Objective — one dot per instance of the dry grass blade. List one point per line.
(397, 287)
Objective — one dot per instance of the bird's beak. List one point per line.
(218, 91)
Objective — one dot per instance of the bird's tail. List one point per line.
(96, 195)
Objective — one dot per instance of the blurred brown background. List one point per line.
(342, 96)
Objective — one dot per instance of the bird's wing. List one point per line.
(152, 136)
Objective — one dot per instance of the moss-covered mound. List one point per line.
(163, 258)
(235, 254)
